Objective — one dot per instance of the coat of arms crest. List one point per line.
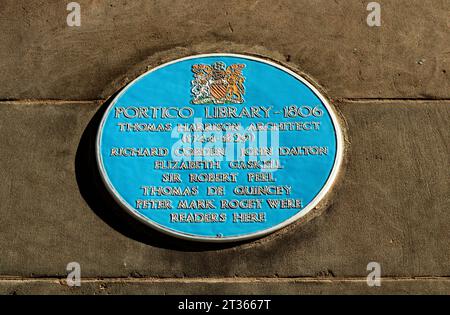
(218, 83)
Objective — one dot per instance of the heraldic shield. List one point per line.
(218, 84)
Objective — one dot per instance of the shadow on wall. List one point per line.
(103, 204)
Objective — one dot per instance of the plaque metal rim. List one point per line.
(192, 237)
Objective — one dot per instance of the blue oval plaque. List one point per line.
(219, 147)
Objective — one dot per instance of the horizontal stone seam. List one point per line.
(220, 280)
(389, 100)
(99, 101)
(49, 101)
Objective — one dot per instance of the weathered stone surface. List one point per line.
(391, 206)
(226, 286)
(407, 57)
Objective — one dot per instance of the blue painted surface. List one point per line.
(170, 85)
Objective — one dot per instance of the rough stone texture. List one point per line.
(407, 57)
(391, 204)
(225, 286)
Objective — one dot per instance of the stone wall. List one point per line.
(390, 84)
